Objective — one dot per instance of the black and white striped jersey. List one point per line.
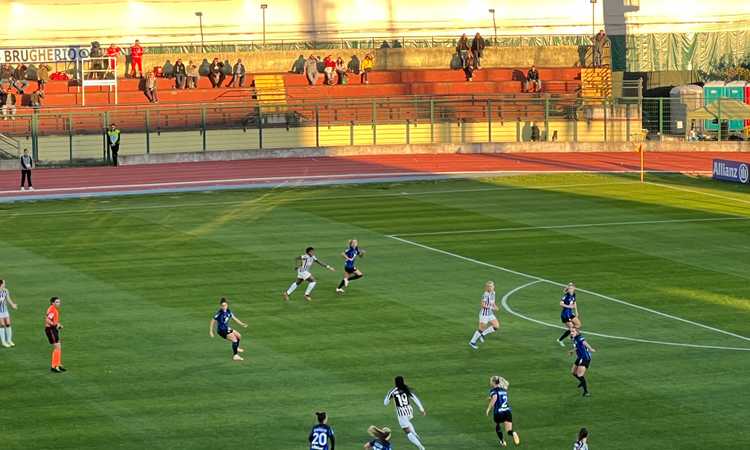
(403, 402)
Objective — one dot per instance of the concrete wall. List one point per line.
(389, 59)
(527, 147)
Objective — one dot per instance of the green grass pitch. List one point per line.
(140, 278)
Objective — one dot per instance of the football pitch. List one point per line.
(663, 271)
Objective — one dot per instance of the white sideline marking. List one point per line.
(332, 197)
(504, 303)
(692, 191)
(334, 176)
(602, 296)
(580, 225)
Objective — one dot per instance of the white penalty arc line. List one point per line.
(577, 225)
(540, 279)
(506, 306)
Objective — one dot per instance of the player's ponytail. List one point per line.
(399, 380)
(499, 381)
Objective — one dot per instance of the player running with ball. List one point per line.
(402, 395)
(486, 316)
(304, 264)
(351, 272)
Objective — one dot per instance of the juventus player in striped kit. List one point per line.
(304, 264)
(6, 331)
(486, 316)
(403, 396)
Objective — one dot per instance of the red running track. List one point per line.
(79, 182)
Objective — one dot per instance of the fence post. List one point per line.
(627, 122)
(719, 135)
(317, 125)
(148, 131)
(203, 126)
(70, 136)
(351, 132)
(260, 128)
(374, 123)
(518, 130)
(546, 119)
(408, 137)
(661, 117)
(432, 121)
(605, 120)
(489, 120)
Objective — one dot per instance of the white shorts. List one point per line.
(304, 275)
(404, 422)
(486, 319)
(4, 315)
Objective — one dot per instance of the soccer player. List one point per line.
(402, 397)
(321, 437)
(486, 315)
(382, 439)
(52, 327)
(304, 264)
(569, 313)
(221, 320)
(583, 440)
(501, 410)
(583, 359)
(351, 272)
(6, 331)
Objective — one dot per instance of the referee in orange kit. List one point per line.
(52, 327)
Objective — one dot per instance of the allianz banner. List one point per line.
(734, 171)
(42, 54)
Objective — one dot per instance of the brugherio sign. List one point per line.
(734, 171)
(42, 54)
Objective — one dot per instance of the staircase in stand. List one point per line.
(270, 92)
(596, 82)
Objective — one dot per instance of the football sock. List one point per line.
(341, 284)
(9, 334)
(56, 357)
(584, 385)
(487, 331)
(310, 287)
(2, 335)
(475, 337)
(414, 439)
(291, 289)
(235, 346)
(499, 432)
(355, 277)
(564, 335)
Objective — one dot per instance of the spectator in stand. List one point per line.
(477, 50)
(36, 98)
(533, 83)
(385, 44)
(8, 100)
(469, 67)
(27, 163)
(18, 81)
(136, 58)
(151, 87)
(463, 49)
(367, 65)
(42, 76)
(397, 44)
(6, 73)
(311, 70)
(113, 140)
(193, 74)
(329, 67)
(113, 52)
(97, 64)
(216, 73)
(600, 40)
(167, 70)
(180, 74)
(238, 74)
(341, 70)
(354, 65)
(298, 66)
(535, 133)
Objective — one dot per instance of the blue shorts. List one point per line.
(567, 318)
(224, 333)
(350, 269)
(583, 362)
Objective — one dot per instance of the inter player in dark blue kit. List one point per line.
(569, 313)
(583, 352)
(501, 410)
(221, 320)
(351, 272)
(382, 439)
(321, 437)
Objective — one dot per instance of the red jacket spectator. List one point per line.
(113, 52)
(136, 57)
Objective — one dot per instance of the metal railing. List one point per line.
(79, 135)
(9, 147)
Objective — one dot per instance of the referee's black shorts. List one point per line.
(53, 335)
